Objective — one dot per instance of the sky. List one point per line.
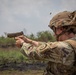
(30, 16)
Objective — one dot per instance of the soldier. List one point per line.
(60, 54)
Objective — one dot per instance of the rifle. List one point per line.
(11, 35)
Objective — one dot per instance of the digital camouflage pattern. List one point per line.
(61, 56)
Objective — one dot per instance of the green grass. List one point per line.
(11, 55)
(14, 56)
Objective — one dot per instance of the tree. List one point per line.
(45, 36)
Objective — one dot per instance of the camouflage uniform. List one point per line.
(61, 55)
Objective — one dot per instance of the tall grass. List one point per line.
(7, 56)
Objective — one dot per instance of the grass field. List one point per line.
(11, 55)
(14, 56)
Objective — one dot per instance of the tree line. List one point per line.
(45, 36)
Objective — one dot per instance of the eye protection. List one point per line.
(54, 29)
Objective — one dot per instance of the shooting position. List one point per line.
(60, 54)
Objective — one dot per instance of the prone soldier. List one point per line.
(60, 54)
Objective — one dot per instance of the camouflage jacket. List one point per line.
(61, 52)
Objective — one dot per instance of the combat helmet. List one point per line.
(64, 19)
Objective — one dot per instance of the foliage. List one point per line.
(4, 40)
(14, 56)
(45, 36)
(40, 36)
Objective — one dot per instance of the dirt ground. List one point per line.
(30, 72)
